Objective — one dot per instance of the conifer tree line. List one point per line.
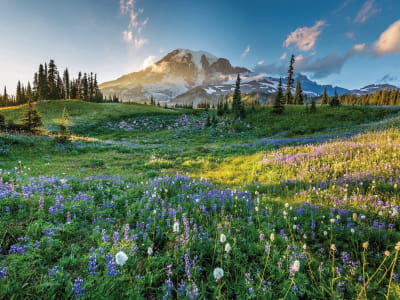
(381, 97)
(50, 84)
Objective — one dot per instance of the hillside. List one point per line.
(163, 187)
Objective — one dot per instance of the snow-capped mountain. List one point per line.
(369, 89)
(184, 76)
(176, 73)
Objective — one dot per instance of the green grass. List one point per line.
(278, 190)
(149, 149)
(82, 112)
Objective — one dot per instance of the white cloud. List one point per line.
(367, 11)
(126, 5)
(246, 51)
(127, 36)
(305, 37)
(359, 47)
(148, 62)
(283, 56)
(260, 62)
(317, 67)
(139, 42)
(389, 40)
(136, 25)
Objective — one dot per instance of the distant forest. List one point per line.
(49, 85)
(382, 97)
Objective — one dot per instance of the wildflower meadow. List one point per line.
(209, 217)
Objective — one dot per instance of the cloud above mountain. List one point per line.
(304, 38)
(316, 67)
(367, 11)
(246, 51)
(389, 40)
(132, 35)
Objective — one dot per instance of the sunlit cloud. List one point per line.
(304, 38)
(367, 11)
(148, 62)
(136, 25)
(261, 62)
(317, 67)
(389, 40)
(283, 56)
(246, 51)
(139, 42)
(359, 47)
(127, 36)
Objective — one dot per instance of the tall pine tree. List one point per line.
(335, 100)
(31, 119)
(324, 98)
(237, 103)
(278, 107)
(298, 95)
(290, 81)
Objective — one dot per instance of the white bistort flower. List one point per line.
(218, 273)
(222, 238)
(228, 248)
(149, 251)
(175, 227)
(121, 258)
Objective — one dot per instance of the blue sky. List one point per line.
(349, 43)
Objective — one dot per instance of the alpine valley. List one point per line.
(190, 77)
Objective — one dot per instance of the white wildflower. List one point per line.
(175, 227)
(222, 238)
(218, 273)
(121, 258)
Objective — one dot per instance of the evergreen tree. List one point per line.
(313, 108)
(85, 88)
(298, 95)
(335, 100)
(35, 86)
(2, 122)
(29, 93)
(64, 135)
(66, 84)
(52, 75)
(31, 119)
(42, 83)
(18, 93)
(278, 107)
(237, 103)
(324, 99)
(290, 81)
(220, 108)
(5, 97)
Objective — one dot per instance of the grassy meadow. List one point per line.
(150, 203)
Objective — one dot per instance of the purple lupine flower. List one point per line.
(3, 272)
(41, 203)
(116, 238)
(104, 236)
(341, 287)
(16, 248)
(53, 271)
(126, 233)
(181, 289)
(169, 287)
(112, 269)
(92, 264)
(169, 270)
(77, 288)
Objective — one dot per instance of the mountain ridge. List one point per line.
(182, 73)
